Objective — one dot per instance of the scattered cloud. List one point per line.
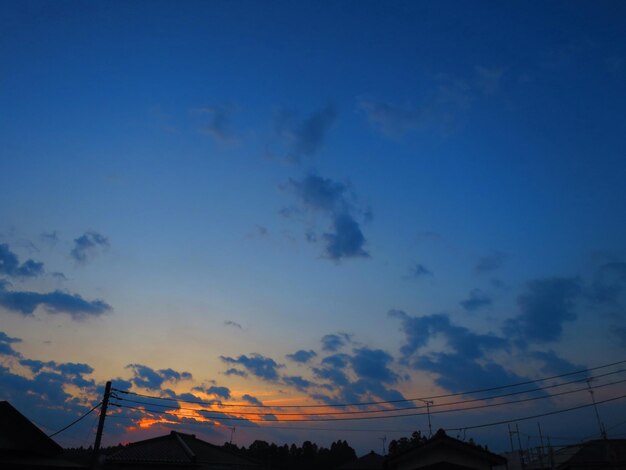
(50, 238)
(5, 345)
(392, 120)
(26, 302)
(262, 367)
(418, 271)
(233, 371)
(545, 306)
(234, 324)
(477, 299)
(252, 400)
(297, 382)
(87, 245)
(329, 198)
(10, 265)
(304, 138)
(334, 342)
(553, 364)
(302, 356)
(148, 378)
(222, 392)
(373, 364)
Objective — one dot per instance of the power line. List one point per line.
(541, 415)
(402, 415)
(392, 410)
(75, 421)
(382, 402)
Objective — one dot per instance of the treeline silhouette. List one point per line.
(309, 456)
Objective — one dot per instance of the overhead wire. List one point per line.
(380, 402)
(392, 410)
(75, 421)
(211, 414)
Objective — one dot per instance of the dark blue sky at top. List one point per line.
(371, 198)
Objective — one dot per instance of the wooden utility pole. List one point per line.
(103, 413)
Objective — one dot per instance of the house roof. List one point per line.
(442, 440)
(600, 453)
(178, 449)
(371, 461)
(18, 435)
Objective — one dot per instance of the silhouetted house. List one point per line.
(177, 451)
(23, 445)
(596, 454)
(443, 452)
(371, 461)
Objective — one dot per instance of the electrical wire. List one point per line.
(402, 415)
(541, 415)
(75, 421)
(382, 402)
(391, 410)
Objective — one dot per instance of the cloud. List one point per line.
(10, 265)
(419, 330)
(57, 301)
(418, 271)
(219, 126)
(331, 199)
(304, 138)
(262, 367)
(545, 306)
(476, 300)
(553, 364)
(252, 400)
(456, 372)
(233, 371)
(346, 240)
(223, 392)
(87, 245)
(5, 345)
(302, 356)
(490, 263)
(373, 364)
(338, 361)
(234, 324)
(297, 382)
(146, 377)
(334, 342)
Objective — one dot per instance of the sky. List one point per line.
(311, 203)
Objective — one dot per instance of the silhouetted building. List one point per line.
(23, 445)
(177, 451)
(443, 452)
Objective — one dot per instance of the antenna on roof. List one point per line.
(595, 407)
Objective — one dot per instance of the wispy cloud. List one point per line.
(146, 377)
(304, 138)
(334, 342)
(418, 271)
(26, 302)
(302, 356)
(476, 300)
(10, 265)
(330, 198)
(88, 245)
(233, 324)
(262, 367)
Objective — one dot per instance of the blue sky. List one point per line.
(341, 201)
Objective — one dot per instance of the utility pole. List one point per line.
(103, 413)
(541, 448)
(384, 439)
(430, 428)
(519, 443)
(232, 431)
(595, 407)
